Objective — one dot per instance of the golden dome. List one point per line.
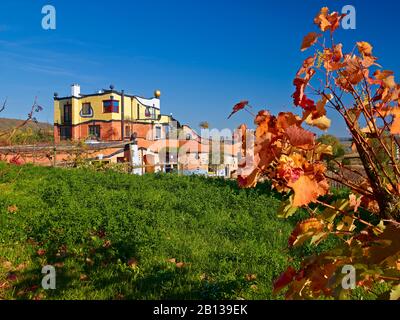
(157, 94)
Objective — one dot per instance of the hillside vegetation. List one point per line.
(30, 133)
(6, 124)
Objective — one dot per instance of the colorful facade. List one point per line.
(112, 117)
(108, 115)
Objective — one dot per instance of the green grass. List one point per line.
(91, 224)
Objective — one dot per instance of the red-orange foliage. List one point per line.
(289, 156)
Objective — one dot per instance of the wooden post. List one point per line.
(142, 163)
(34, 154)
(54, 156)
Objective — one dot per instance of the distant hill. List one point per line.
(6, 124)
(30, 133)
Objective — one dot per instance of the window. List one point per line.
(65, 133)
(188, 136)
(86, 110)
(158, 132)
(94, 131)
(127, 131)
(110, 106)
(121, 159)
(147, 112)
(67, 113)
(167, 128)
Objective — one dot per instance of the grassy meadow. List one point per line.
(116, 236)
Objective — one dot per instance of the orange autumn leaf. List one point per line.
(354, 202)
(322, 123)
(266, 154)
(332, 58)
(299, 137)
(389, 82)
(290, 168)
(242, 131)
(381, 75)
(321, 19)
(305, 229)
(353, 73)
(286, 119)
(305, 191)
(395, 128)
(334, 19)
(249, 181)
(364, 48)
(299, 97)
(327, 21)
(319, 110)
(307, 64)
(309, 40)
(337, 52)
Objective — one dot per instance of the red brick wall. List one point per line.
(56, 134)
(142, 130)
(109, 131)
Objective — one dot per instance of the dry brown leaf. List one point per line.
(41, 252)
(250, 277)
(12, 209)
(309, 40)
(364, 48)
(7, 265)
(395, 128)
(132, 263)
(83, 277)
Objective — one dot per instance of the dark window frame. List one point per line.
(110, 106)
(65, 133)
(67, 113)
(95, 126)
(88, 112)
(127, 131)
(147, 112)
(158, 130)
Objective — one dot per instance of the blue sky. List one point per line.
(203, 55)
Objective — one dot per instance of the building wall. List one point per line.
(134, 111)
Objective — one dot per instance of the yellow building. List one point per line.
(109, 115)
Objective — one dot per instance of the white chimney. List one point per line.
(75, 90)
